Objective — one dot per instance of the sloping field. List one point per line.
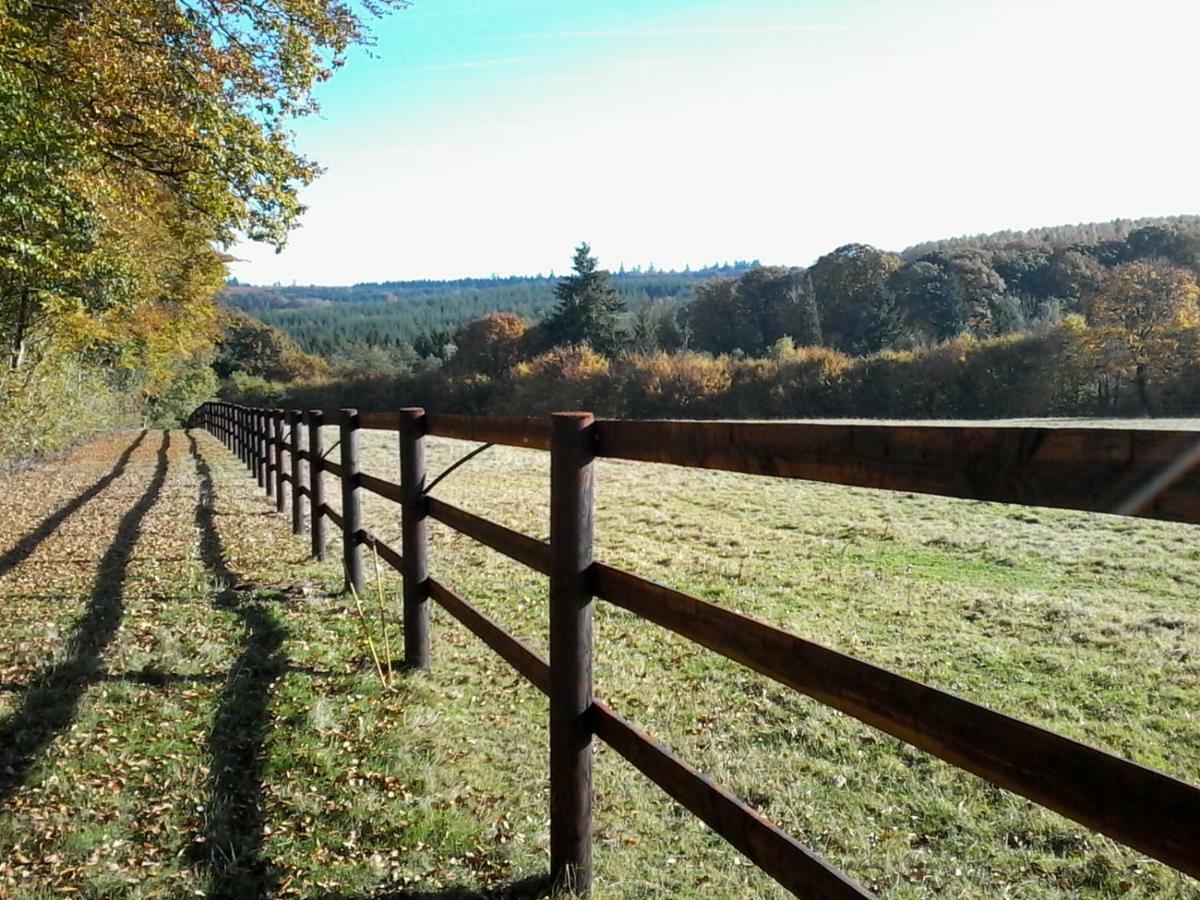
(187, 708)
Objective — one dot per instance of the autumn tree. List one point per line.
(490, 345)
(249, 346)
(1138, 318)
(134, 136)
(859, 312)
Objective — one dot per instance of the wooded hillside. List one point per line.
(1007, 327)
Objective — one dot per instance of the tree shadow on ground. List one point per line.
(51, 700)
(25, 547)
(232, 851)
(234, 833)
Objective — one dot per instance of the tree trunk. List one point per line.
(1142, 378)
(17, 350)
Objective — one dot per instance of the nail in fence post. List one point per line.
(293, 417)
(316, 482)
(277, 423)
(352, 550)
(414, 531)
(571, 512)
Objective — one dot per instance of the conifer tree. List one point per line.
(588, 306)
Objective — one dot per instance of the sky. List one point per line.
(480, 138)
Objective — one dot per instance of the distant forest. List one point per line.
(986, 284)
(373, 326)
(1070, 320)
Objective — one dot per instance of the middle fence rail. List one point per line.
(1139, 472)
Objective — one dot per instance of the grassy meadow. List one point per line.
(227, 734)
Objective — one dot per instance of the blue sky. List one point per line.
(478, 138)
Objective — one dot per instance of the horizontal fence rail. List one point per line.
(1148, 473)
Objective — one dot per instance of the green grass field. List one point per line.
(226, 735)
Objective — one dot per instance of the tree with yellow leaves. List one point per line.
(136, 138)
(1139, 317)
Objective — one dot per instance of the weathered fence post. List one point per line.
(414, 531)
(268, 452)
(293, 417)
(316, 482)
(571, 513)
(277, 422)
(244, 437)
(262, 450)
(352, 550)
(263, 437)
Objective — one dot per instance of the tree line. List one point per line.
(1018, 328)
(392, 326)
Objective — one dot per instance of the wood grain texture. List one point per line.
(532, 433)
(379, 421)
(386, 489)
(414, 533)
(1095, 469)
(316, 483)
(352, 513)
(572, 513)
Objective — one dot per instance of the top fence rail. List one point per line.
(1152, 473)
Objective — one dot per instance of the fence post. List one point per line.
(316, 482)
(414, 530)
(277, 421)
(352, 550)
(261, 468)
(262, 451)
(571, 512)
(265, 453)
(244, 437)
(293, 417)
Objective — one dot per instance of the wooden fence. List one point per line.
(1132, 472)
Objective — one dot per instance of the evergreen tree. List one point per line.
(807, 328)
(588, 306)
